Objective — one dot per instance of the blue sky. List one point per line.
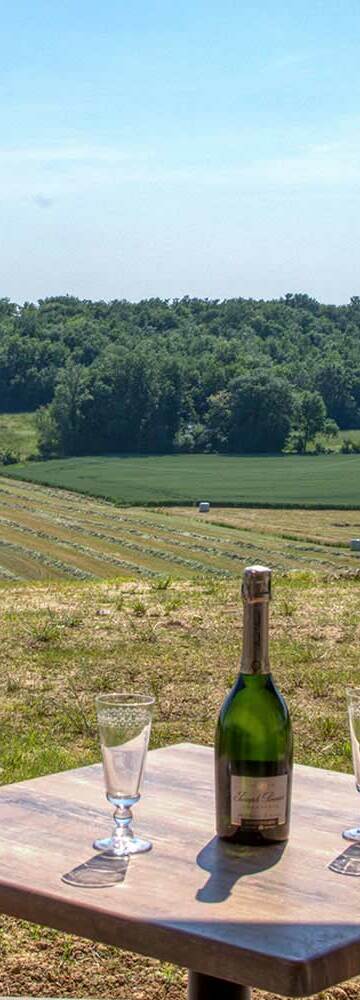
(211, 149)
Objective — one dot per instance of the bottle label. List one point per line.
(258, 802)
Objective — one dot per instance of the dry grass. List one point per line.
(48, 533)
(335, 527)
(61, 643)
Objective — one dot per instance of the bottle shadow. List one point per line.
(227, 863)
(99, 871)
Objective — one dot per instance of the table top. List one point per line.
(272, 917)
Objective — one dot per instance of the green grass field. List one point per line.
(62, 643)
(96, 597)
(18, 433)
(55, 534)
(314, 481)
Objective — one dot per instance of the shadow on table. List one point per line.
(227, 863)
(99, 871)
(348, 862)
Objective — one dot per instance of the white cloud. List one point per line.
(43, 174)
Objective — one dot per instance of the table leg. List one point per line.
(202, 987)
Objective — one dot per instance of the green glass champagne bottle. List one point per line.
(253, 745)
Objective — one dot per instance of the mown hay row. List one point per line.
(6, 574)
(45, 560)
(194, 565)
(186, 540)
(169, 554)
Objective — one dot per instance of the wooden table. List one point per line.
(269, 917)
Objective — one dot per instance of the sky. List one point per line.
(200, 148)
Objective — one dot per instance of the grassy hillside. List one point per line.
(326, 480)
(53, 534)
(62, 643)
(168, 620)
(18, 433)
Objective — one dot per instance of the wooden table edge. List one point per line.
(299, 977)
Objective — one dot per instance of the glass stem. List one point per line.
(123, 819)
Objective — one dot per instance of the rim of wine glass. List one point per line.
(125, 698)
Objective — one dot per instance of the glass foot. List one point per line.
(352, 834)
(121, 847)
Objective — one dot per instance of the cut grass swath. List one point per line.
(48, 531)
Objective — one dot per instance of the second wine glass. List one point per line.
(124, 722)
(353, 704)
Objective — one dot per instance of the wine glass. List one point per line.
(124, 722)
(353, 705)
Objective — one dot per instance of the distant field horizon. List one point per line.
(325, 481)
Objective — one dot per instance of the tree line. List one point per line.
(239, 375)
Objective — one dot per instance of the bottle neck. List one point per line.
(255, 651)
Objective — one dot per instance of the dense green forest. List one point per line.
(239, 375)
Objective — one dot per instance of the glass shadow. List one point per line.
(348, 862)
(99, 871)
